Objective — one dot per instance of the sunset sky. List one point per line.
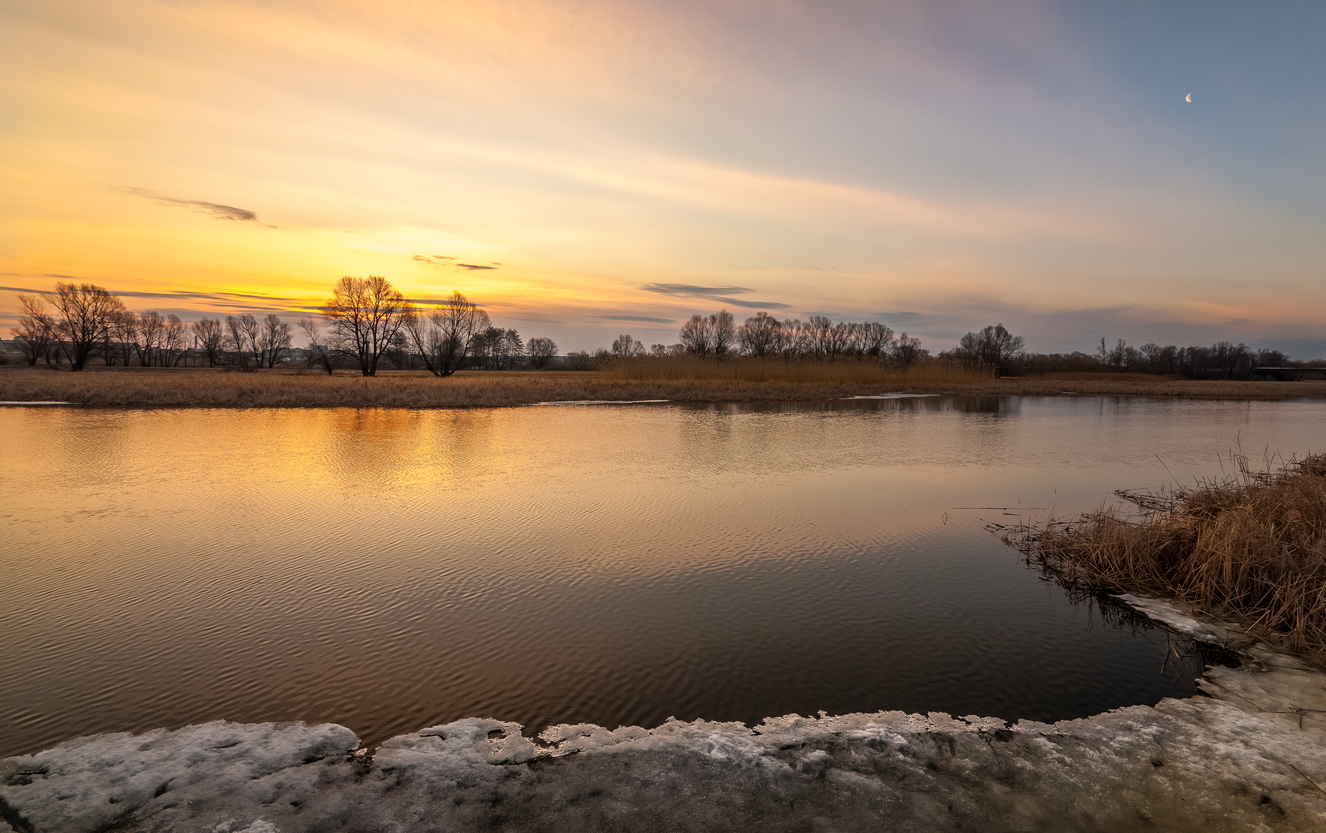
(584, 168)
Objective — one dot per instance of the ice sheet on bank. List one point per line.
(1251, 757)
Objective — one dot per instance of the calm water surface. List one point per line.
(389, 570)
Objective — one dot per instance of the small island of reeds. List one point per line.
(1250, 547)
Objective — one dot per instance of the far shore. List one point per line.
(228, 388)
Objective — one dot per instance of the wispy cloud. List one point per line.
(721, 294)
(645, 318)
(223, 300)
(448, 260)
(217, 210)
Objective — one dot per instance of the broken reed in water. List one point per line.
(1251, 547)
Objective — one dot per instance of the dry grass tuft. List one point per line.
(1252, 547)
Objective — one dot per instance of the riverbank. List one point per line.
(1252, 756)
(1251, 546)
(157, 387)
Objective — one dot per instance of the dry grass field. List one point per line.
(679, 381)
(1252, 547)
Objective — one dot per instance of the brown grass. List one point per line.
(675, 368)
(1251, 548)
(681, 381)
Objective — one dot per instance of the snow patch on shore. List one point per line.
(1251, 757)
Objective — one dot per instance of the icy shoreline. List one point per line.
(1250, 757)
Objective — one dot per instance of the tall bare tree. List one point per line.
(174, 342)
(83, 313)
(445, 336)
(149, 337)
(697, 336)
(365, 314)
(273, 339)
(724, 331)
(35, 332)
(625, 347)
(242, 334)
(541, 351)
(208, 335)
(993, 347)
(121, 342)
(319, 351)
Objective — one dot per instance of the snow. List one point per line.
(1251, 757)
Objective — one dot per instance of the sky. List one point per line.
(584, 168)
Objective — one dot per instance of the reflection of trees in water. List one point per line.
(997, 405)
(98, 445)
(370, 447)
(1185, 658)
(465, 444)
(386, 447)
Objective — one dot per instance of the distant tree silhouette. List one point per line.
(83, 315)
(364, 315)
(273, 339)
(993, 347)
(35, 332)
(208, 335)
(446, 336)
(541, 351)
(319, 351)
(625, 347)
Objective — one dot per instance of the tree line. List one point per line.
(762, 336)
(367, 321)
(994, 347)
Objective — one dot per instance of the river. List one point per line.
(616, 564)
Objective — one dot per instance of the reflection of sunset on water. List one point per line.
(388, 568)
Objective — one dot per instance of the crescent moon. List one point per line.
(1189, 98)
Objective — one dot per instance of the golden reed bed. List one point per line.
(675, 381)
(1251, 547)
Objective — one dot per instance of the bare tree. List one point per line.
(697, 336)
(121, 340)
(273, 339)
(993, 347)
(625, 347)
(724, 333)
(35, 332)
(174, 341)
(243, 333)
(907, 351)
(760, 335)
(541, 351)
(83, 313)
(318, 349)
(149, 337)
(208, 335)
(365, 314)
(497, 349)
(875, 340)
(445, 336)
